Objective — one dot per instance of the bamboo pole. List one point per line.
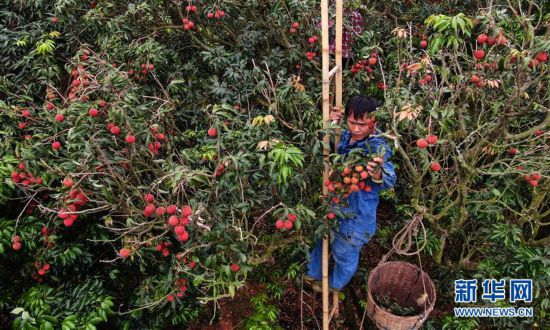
(338, 99)
(338, 54)
(326, 139)
(326, 105)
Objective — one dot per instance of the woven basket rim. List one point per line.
(421, 315)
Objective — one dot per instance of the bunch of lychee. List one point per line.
(294, 27)
(76, 199)
(26, 178)
(141, 72)
(41, 270)
(163, 248)
(533, 179)
(192, 264)
(362, 65)
(178, 223)
(16, 242)
(429, 140)
(79, 84)
(218, 15)
(155, 146)
(286, 224)
(352, 179)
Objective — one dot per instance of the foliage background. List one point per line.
(236, 74)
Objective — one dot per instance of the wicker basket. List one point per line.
(405, 283)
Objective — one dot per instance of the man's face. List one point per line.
(360, 128)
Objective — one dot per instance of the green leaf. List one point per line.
(232, 290)
(17, 310)
(46, 326)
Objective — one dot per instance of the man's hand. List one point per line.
(374, 168)
(335, 114)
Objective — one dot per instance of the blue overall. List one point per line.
(355, 231)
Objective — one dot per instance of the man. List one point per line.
(355, 231)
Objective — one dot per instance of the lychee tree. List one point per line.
(156, 154)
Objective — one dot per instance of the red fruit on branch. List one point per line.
(62, 214)
(479, 54)
(16, 246)
(68, 182)
(482, 38)
(279, 224)
(149, 198)
(475, 79)
(184, 236)
(288, 224)
(331, 215)
(235, 267)
(179, 230)
(56, 145)
(160, 211)
(292, 217)
(423, 44)
(432, 139)
(170, 298)
(186, 211)
(92, 112)
(115, 130)
(434, 166)
(149, 209)
(124, 253)
(130, 139)
(542, 57)
(212, 132)
(513, 151)
(171, 209)
(421, 143)
(184, 221)
(173, 221)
